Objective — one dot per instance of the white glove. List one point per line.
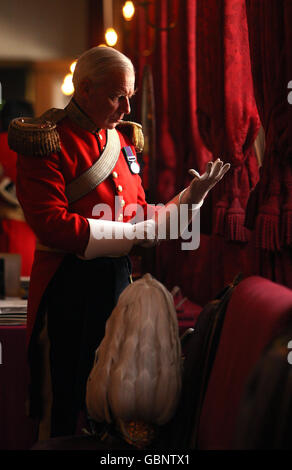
(201, 184)
(108, 238)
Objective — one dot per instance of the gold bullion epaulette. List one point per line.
(134, 131)
(36, 136)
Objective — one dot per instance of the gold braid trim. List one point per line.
(36, 137)
(39, 136)
(33, 137)
(134, 131)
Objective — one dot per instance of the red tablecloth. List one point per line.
(17, 431)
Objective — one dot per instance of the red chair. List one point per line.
(257, 312)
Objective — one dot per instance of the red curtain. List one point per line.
(170, 53)
(270, 206)
(207, 57)
(204, 106)
(228, 117)
(270, 30)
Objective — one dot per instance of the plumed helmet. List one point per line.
(137, 369)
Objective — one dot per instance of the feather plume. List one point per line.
(137, 372)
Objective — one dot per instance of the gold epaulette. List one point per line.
(36, 137)
(134, 131)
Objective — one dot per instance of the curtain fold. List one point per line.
(170, 52)
(270, 206)
(228, 117)
(224, 67)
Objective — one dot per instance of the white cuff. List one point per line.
(109, 238)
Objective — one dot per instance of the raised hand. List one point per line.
(201, 184)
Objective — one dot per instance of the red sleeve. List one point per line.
(41, 193)
(149, 209)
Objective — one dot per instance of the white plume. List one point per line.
(137, 372)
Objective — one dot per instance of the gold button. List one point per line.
(115, 175)
(120, 218)
(100, 136)
(120, 188)
(123, 202)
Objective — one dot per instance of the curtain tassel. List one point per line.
(287, 225)
(220, 214)
(267, 227)
(236, 230)
(252, 208)
(286, 234)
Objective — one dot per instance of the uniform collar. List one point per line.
(77, 115)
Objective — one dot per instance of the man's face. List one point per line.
(107, 103)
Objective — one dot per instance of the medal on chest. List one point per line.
(131, 160)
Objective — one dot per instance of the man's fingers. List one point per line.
(214, 170)
(225, 168)
(194, 173)
(217, 166)
(209, 167)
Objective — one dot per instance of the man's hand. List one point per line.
(145, 233)
(201, 184)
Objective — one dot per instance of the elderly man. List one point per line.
(75, 165)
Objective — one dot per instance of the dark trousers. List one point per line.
(79, 300)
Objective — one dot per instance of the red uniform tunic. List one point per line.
(41, 185)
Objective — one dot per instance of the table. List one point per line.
(17, 431)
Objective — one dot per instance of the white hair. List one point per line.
(137, 371)
(98, 63)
